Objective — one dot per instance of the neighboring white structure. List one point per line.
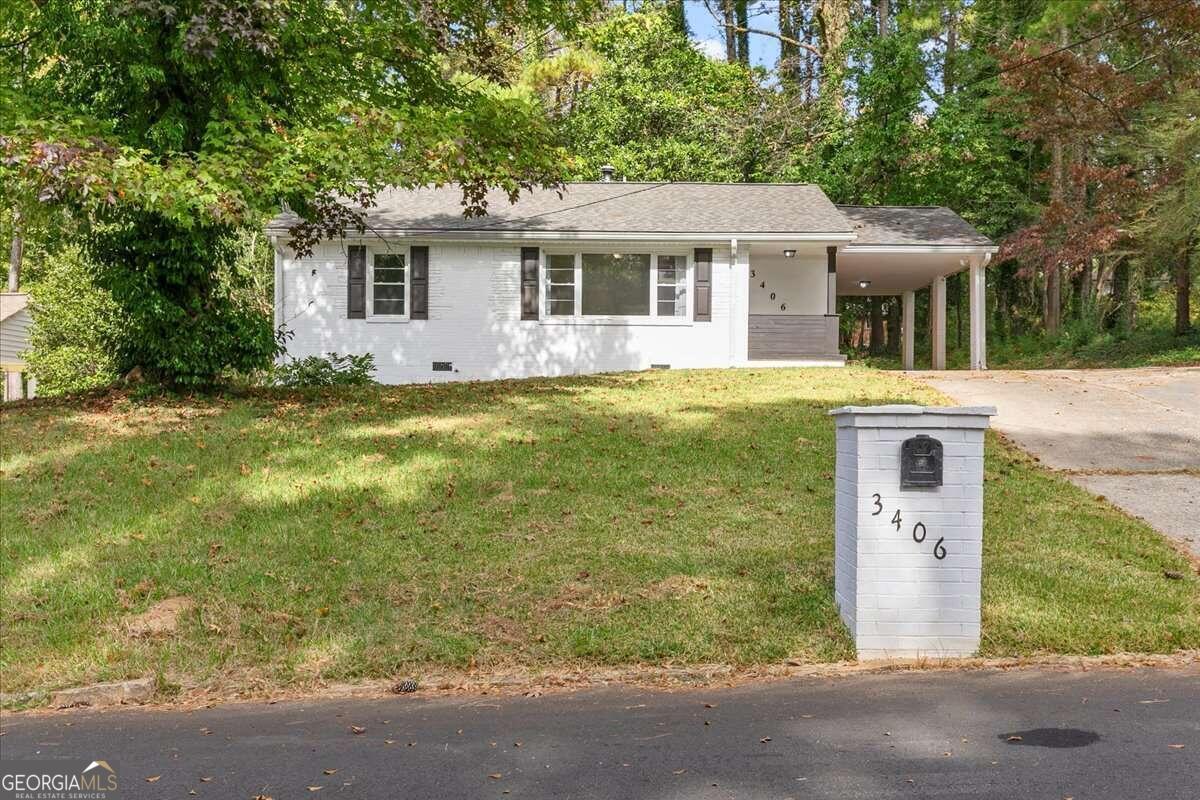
(608, 276)
(908, 559)
(15, 323)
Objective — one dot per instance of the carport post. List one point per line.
(937, 320)
(978, 315)
(908, 313)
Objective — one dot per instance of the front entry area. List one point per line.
(789, 319)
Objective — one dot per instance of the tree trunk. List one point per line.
(833, 19)
(678, 13)
(1118, 316)
(948, 75)
(955, 288)
(731, 54)
(893, 326)
(789, 54)
(1087, 291)
(884, 12)
(1000, 320)
(743, 35)
(877, 336)
(15, 253)
(1052, 312)
(1183, 293)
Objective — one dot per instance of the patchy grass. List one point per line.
(679, 517)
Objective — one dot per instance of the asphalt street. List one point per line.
(1101, 733)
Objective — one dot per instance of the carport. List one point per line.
(902, 249)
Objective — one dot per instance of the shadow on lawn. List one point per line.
(352, 533)
(609, 519)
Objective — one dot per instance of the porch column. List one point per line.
(978, 312)
(908, 311)
(937, 321)
(831, 280)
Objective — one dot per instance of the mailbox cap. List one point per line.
(909, 416)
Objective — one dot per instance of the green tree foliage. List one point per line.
(77, 326)
(168, 126)
(659, 109)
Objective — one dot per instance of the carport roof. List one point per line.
(928, 226)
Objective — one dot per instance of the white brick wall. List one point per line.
(895, 596)
(474, 319)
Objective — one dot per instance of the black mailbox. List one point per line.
(920, 462)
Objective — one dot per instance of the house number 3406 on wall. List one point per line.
(919, 533)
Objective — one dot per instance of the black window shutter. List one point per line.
(420, 283)
(530, 257)
(703, 303)
(356, 282)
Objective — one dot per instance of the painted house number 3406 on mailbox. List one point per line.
(919, 534)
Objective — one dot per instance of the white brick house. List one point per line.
(613, 276)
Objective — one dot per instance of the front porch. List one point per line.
(792, 309)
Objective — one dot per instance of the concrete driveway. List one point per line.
(1131, 435)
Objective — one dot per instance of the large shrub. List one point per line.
(76, 325)
(192, 303)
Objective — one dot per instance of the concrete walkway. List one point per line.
(1131, 435)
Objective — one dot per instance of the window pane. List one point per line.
(562, 293)
(668, 309)
(563, 276)
(561, 308)
(389, 306)
(389, 275)
(616, 284)
(388, 279)
(670, 269)
(389, 291)
(562, 261)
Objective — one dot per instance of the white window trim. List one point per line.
(389, 318)
(579, 318)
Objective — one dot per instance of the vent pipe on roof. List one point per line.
(606, 173)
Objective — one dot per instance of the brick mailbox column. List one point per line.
(909, 528)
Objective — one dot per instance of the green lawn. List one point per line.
(680, 516)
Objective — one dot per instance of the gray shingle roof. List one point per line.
(911, 225)
(615, 207)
